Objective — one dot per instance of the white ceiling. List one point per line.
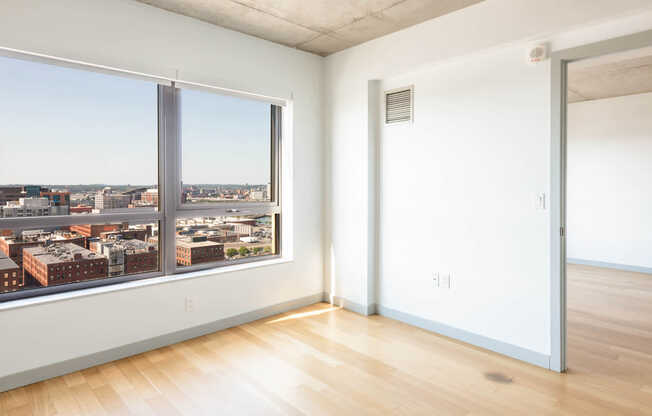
(608, 76)
(319, 26)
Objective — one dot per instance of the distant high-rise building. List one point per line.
(257, 195)
(149, 197)
(10, 193)
(33, 191)
(32, 207)
(106, 199)
(56, 199)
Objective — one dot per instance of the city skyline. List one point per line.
(37, 200)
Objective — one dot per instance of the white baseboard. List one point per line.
(351, 306)
(58, 369)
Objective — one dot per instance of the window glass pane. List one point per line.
(52, 256)
(226, 148)
(75, 142)
(225, 239)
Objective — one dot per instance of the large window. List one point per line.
(226, 147)
(75, 142)
(107, 177)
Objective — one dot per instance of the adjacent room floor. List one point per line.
(610, 327)
(323, 360)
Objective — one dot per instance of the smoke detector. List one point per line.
(537, 53)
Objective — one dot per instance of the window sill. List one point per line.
(22, 303)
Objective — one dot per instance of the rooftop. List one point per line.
(131, 245)
(41, 236)
(195, 244)
(6, 262)
(61, 253)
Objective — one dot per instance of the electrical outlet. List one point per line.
(190, 304)
(540, 201)
(445, 281)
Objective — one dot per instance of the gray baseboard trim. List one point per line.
(365, 310)
(58, 369)
(606, 265)
(500, 347)
(372, 309)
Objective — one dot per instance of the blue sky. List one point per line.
(224, 139)
(67, 126)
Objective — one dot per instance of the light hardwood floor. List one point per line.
(322, 360)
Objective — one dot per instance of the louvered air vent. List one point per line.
(398, 105)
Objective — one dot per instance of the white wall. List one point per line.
(456, 198)
(129, 35)
(609, 180)
(456, 187)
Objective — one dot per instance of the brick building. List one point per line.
(150, 197)
(94, 230)
(10, 275)
(223, 237)
(128, 234)
(198, 250)
(57, 199)
(127, 256)
(81, 209)
(63, 263)
(13, 246)
(140, 257)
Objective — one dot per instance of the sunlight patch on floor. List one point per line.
(303, 314)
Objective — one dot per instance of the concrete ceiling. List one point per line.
(319, 26)
(610, 76)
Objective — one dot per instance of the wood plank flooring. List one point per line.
(323, 360)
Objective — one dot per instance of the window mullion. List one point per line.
(67, 220)
(169, 178)
(276, 132)
(232, 211)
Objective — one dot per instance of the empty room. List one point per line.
(344, 207)
(608, 207)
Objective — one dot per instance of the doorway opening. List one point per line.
(601, 211)
(609, 214)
